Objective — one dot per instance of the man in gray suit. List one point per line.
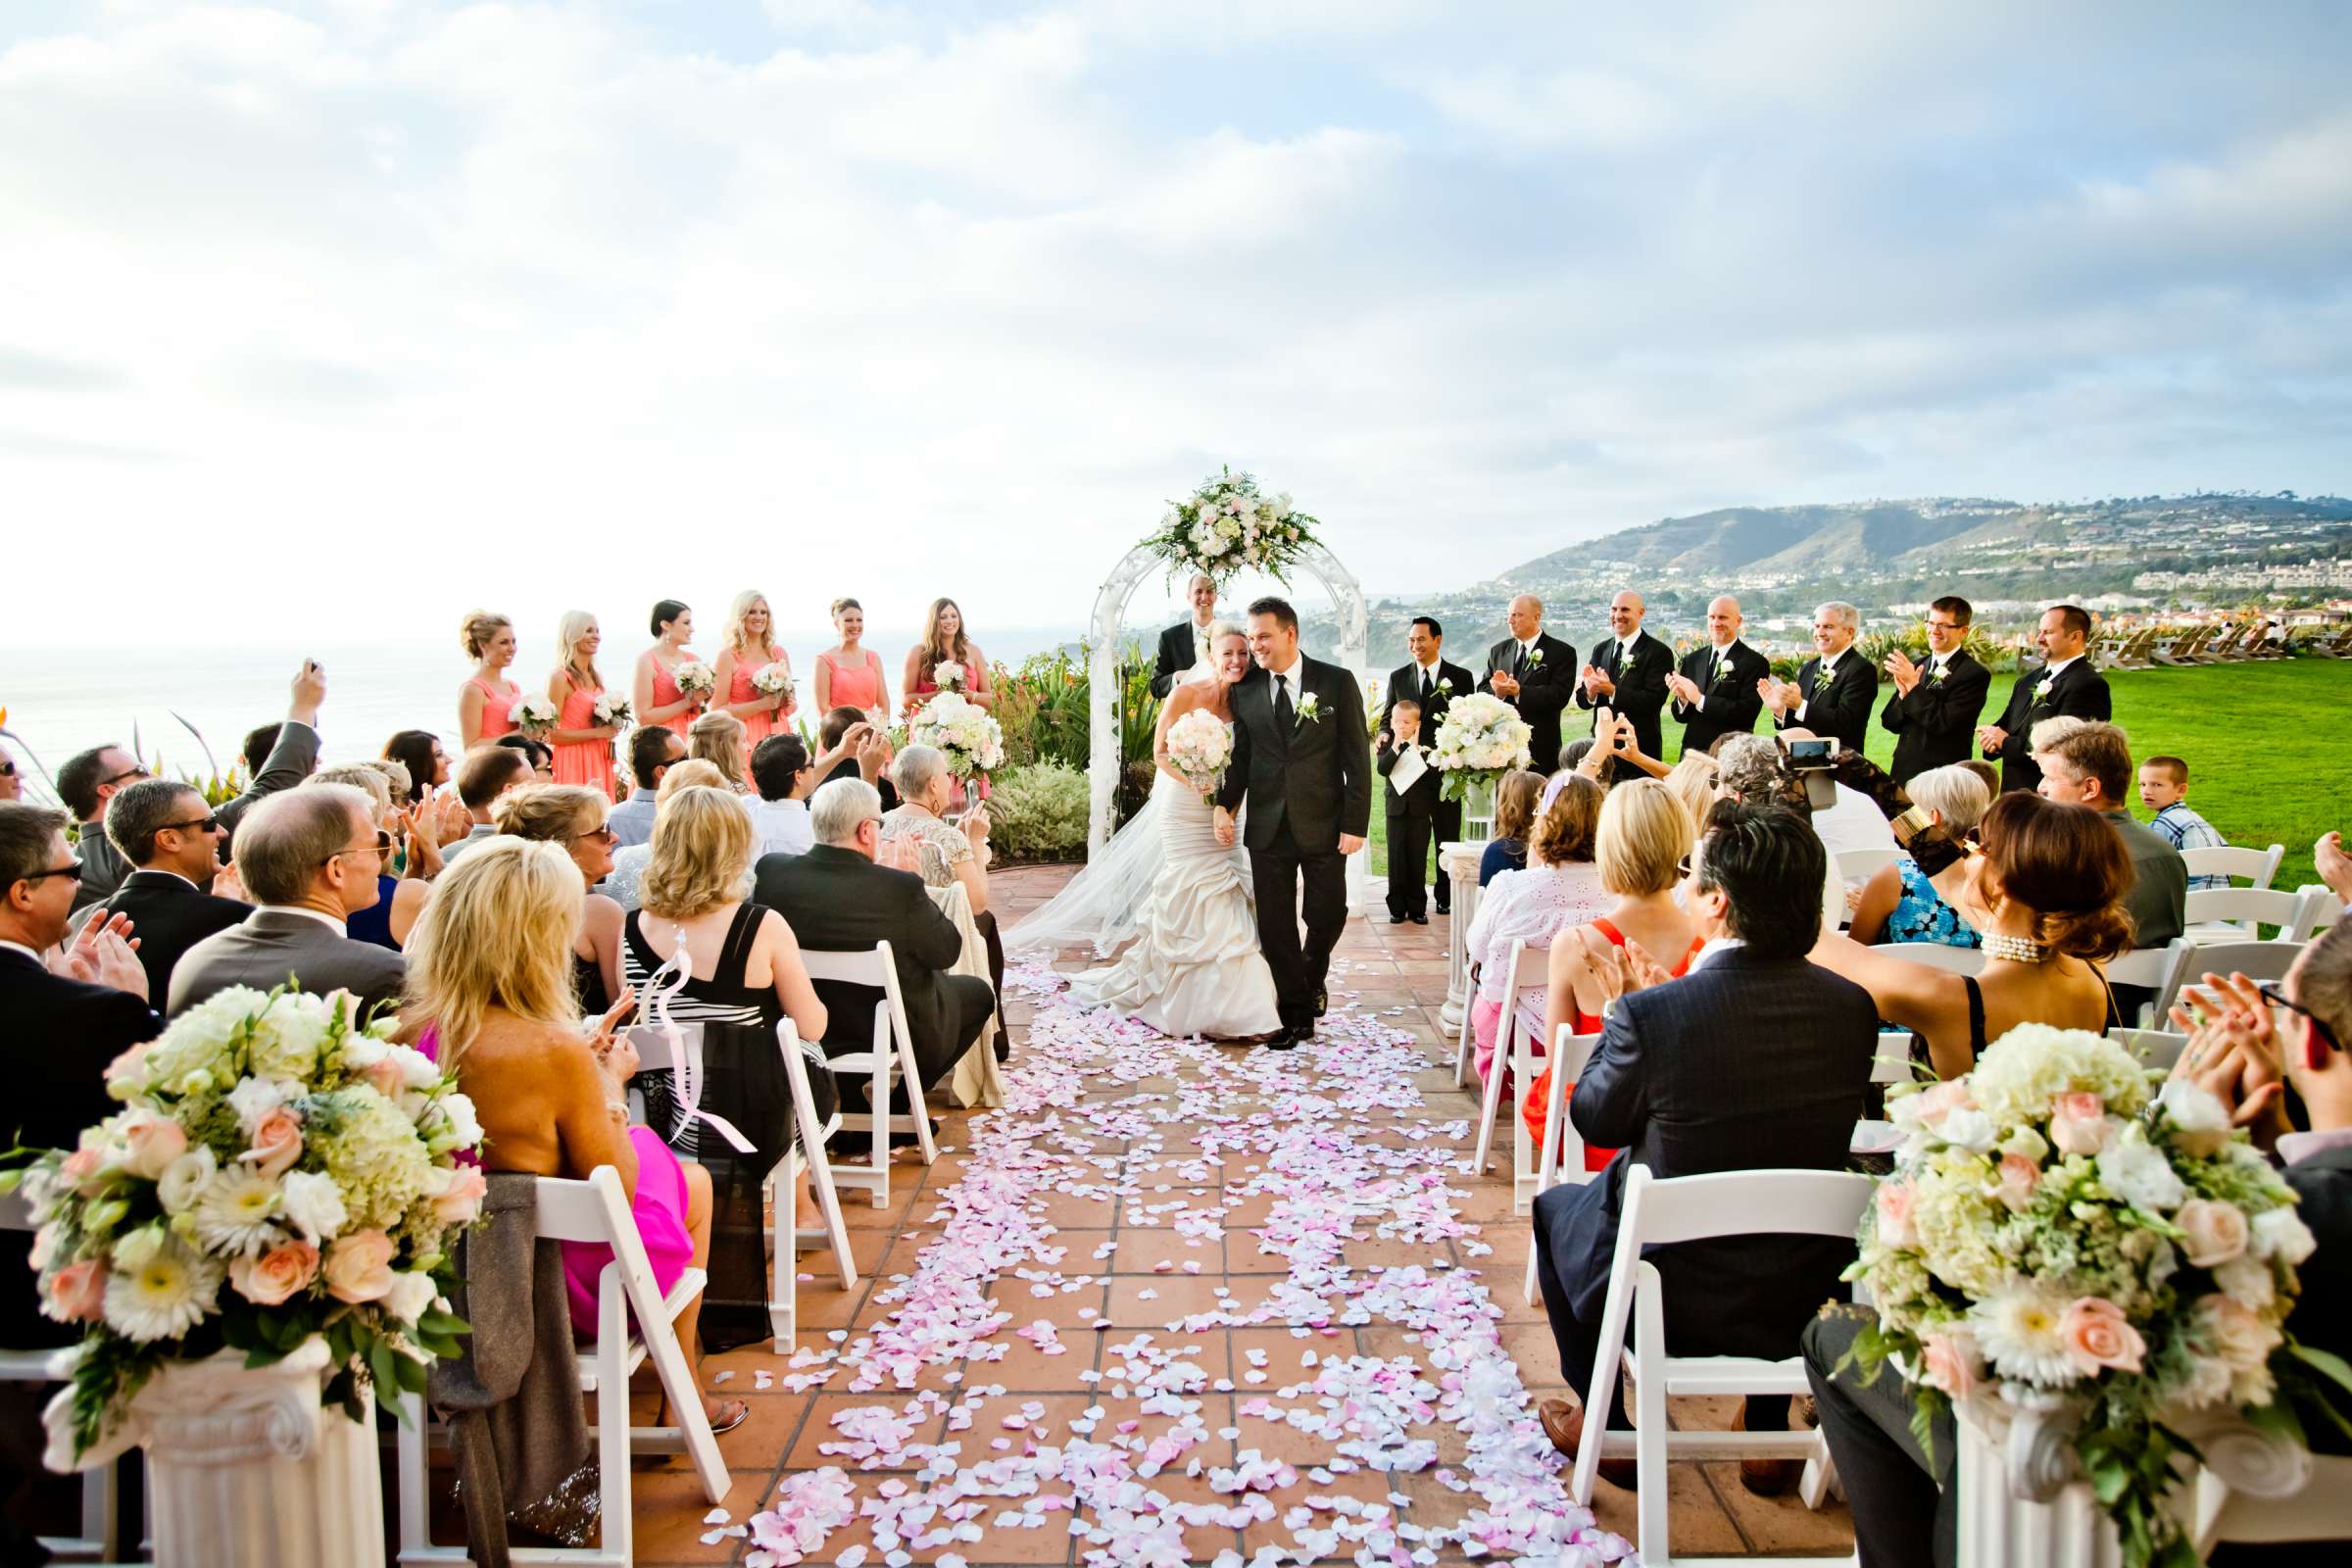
(310, 858)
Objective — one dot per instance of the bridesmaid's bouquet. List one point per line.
(612, 709)
(948, 675)
(694, 679)
(973, 742)
(532, 713)
(1200, 747)
(772, 680)
(1480, 738)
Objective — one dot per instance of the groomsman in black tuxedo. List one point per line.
(1715, 690)
(1935, 707)
(1833, 692)
(1628, 673)
(1186, 644)
(2067, 687)
(1535, 674)
(1410, 810)
(1432, 683)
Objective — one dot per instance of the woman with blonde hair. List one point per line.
(486, 702)
(489, 996)
(716, 738)
(751, 647)
(583, 748)
(945, 644)
(400, 900)
(627, 876)
(1692, 782)
(1899, 903)
(849, 675)
(1559, 888)
(571, 817)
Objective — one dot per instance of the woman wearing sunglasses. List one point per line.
(571, 817)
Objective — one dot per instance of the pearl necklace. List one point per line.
(2016, 950)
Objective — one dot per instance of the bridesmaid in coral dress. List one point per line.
(943, 643)
(851, 675)
(583, 746)
(654, 695)
(486, 702)
(751, 647)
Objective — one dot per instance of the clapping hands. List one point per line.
(1685, 690)
(1777, 694)
(1901, 670)
(1598, 683)
(2233, 1052)
(104, 953)
(2335, 868)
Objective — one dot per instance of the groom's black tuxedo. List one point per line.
(1307, 780)
(1179, 651)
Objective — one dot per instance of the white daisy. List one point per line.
(167, 1292)
(236, 1214)
(2018, 1330)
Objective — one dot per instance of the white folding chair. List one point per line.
(101, 1537)
(783, 1305)
(2157, 1049)
(2256, 960)
(1560, 1158)
(1528, 968)
(2257, 867)
(2152, 969)
(2321, 910)
(2230, 915)
(1860, 865)
(1936, 956)
(892, 1057)
(594, 1212)
(1695, 1209)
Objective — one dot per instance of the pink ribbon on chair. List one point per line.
(685, 1060)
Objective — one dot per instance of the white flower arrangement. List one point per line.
(1228, 524)
(948, 675)
(613, 709)
(1480, 738)
(694, 677)
(1200, 748)
(962, 729)
(2052, 1228)
(532, 713)
(772, 680)
(277, 1173)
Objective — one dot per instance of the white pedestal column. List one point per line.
(1459, 862)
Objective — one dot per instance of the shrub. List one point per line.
(1042, 707)
(1038, 813)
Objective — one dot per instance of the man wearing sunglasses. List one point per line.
(165, 829)
(84, 785)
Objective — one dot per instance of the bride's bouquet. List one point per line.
(1200, 747)
(694, 679)
(1480, 738)
(966, 731)
(613, 709)
(948, 675)
(772, 680)
(532, 713)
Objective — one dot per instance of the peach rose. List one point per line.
(460, 1202)
(1950, 1363)
(1894, 1215)
(383, 1075)
(2216, 1232)
(151, 1143)
(267, 1280)
(1940, 1099)
(276, 1142)
(2018, 1177)
(2079, 1124)
(2096, 1336)
(83, 1168)
(358, 1267)
(77, 1292)
(126, 1064)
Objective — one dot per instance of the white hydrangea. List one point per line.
(256, 1098)
(312, 1204)
(2021, 1074)
(2139, 1173)
(2281, 1233)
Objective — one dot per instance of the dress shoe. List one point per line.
(1564, 1425)
(1423, 919)
(1322, 1005)
(1284, 1039)
(1765, 1478)
(1398, 919)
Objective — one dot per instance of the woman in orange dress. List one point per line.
(486, 702)
(851, 675)
(943, 643)
(583, 746)
(751, 648)
(654, 695)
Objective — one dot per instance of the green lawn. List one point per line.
(2269, 747)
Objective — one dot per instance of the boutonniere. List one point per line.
(1535, 656)
(1935, 672)
(1310, 708)
(1445, 685)
(2041, 690)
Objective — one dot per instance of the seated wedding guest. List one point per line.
(850, 674)
(419, 752)
(1515, 800)
(1899, 904)
(2089, 764)
(571, 817)
(395, 776)
(1559, 887)
(751, 647)
(651, 751)
(171, 838)
(853, 748)
(11, 782)
(400, 900)
(1986, 774)
(482, 778)
(838, 900)
(1751, 768)
(537, 753)
(1644, 837)
(1852, 823)
(309, 860)
(918, 837)
(622, 884)
(718, 738)
(1692, 781)
(281, 755)
(2334, 867)
(782, 773)
(486, 702)
(2046, 890)
(1676, 1084)
(85, 785)
(490, 998)
(2164, 790)
(943, 643)
(583, 746)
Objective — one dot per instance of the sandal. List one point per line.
(731, 1414)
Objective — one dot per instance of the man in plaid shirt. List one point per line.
(2164, 790)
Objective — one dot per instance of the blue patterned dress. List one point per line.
(1921, 916)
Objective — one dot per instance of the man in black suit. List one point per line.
(163, 828)
(278, 757)
(837, 900)
(85, 785)
(1433, 683)
(1935, 707)
(1186, 644)
(1409, 811)
(1833, 691)
(1535, 674)
(1676, 1084)
(1628, 673)
(1715, 690)
(1300, 759)
(2067, 687)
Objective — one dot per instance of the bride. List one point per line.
(1194, 966)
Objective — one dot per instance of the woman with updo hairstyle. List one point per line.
(2044, 886)
(849, 675)
(1560, 887)
(1899, 903)
(583, 748)
(571, 817)
(486, 702)
(1515, 800)
(654, 696)
(716, 738)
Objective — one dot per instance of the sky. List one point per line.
(357, 312)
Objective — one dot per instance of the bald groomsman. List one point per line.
(1832, 694)
(1715, 690)
(1626, 674)
(1535, 674)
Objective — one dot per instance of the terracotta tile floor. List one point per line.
(1395, 964)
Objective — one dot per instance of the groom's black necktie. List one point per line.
(1283, 712)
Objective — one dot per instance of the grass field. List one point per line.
(2269, 747)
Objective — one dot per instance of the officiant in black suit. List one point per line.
(1834, 689)
(1935, 707)
(1302, 761)
(1186, 644)
(1715, 690)
(1627, 674)
(1433, 683)
(2066, 687)
(1535, 674)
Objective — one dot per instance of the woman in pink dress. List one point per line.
(851, 675)
(751, 647)
(583, 746)
(486, 702)
(654, 696)
(943, 643)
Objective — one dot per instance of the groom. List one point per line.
(1301, 756)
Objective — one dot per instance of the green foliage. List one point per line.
(1042, 707)
(1038, 813)
(1139, 720)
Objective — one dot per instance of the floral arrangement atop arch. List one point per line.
(1228, 524)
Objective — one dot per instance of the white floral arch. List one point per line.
(1110, 608)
